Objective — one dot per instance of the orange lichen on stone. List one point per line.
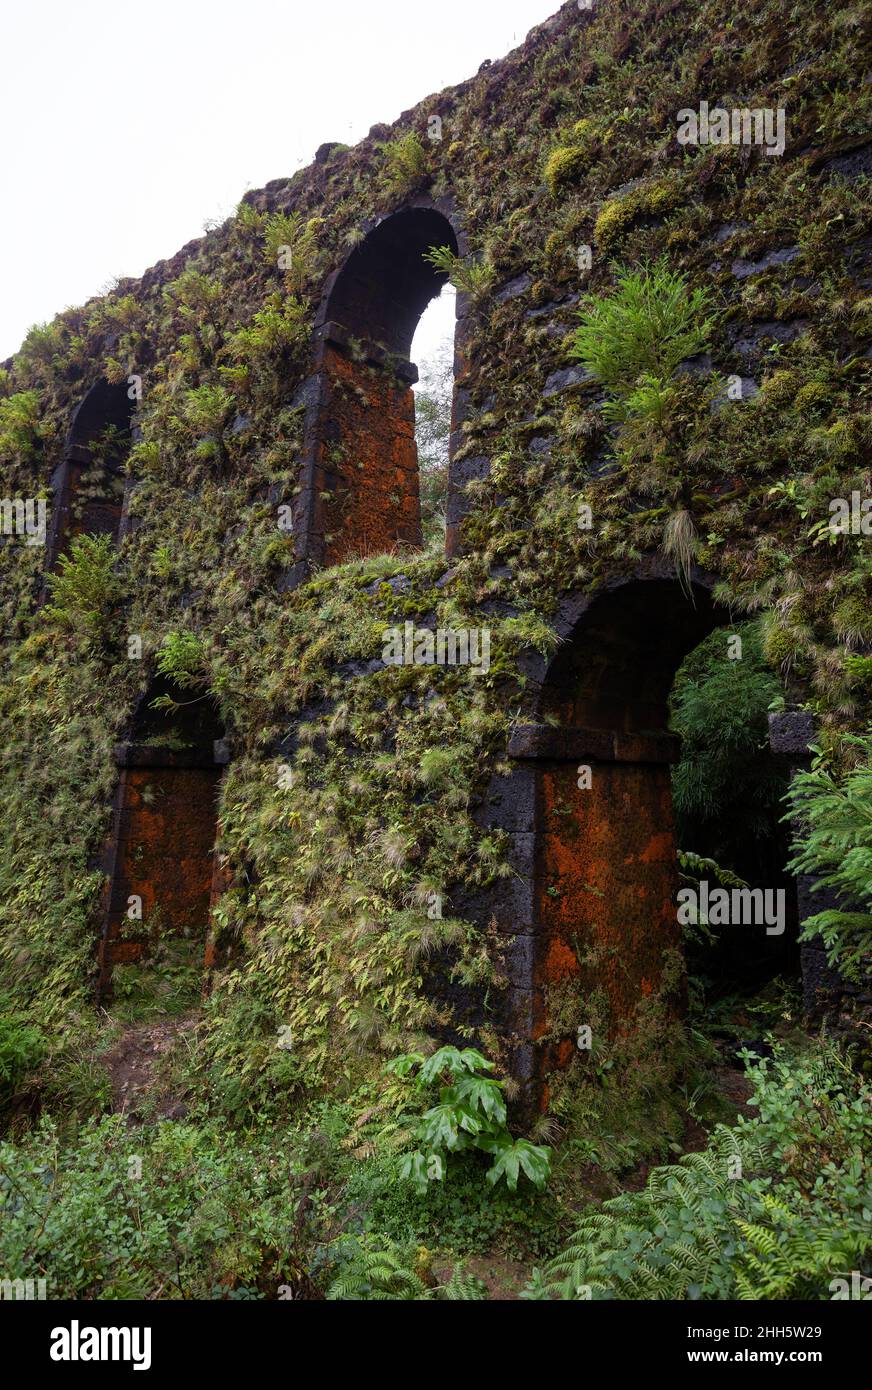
(606, 878)
(164, 858)
(369, 461)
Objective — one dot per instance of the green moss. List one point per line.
(564, 165)
(618, 214)
(813, 397)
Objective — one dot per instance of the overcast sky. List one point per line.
(128, 126)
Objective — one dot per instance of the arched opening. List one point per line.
(596, 773)
(361, 493)
(161, 858)
(433, 351)
(89, 483)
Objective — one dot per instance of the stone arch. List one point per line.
(89, 483)
(587, 809)
(359, 492)
(160, 857)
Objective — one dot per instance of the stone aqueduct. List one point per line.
(601, 701)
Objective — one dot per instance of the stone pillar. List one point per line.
(360, 490)
(591, 900)
(161, 847)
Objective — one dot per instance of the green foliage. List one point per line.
(85, 589)
(22, 1047)
(182, 658)
(291, 243)
(281, 323)
(197, 295)
(324, 925)
(641, 332)
(466, 1215)
(19, 425)
(432, 433)
(774, 1208)
(835, 844)
(472, 277)
(207, 409)
(726, 780)
(210, 1212)
(696, 867)
(374, 1271)
(471, 1114)
(622, 1102)
(405, 163)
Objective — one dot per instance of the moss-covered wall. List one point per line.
(353, 800)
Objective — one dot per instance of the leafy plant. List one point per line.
(374, 1270)
(471, 1114)
(182, 657)
(727, 788)
(835, 844)
(292, 243)
(636, 337)
(280, 323)
(19, 424)
(775, 1207)
(209, 1213)
(472, 277)
(85, 589)
(22, 1047)
(406, 163)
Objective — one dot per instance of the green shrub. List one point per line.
(726, 783)
(465, 1215)
(22, 1047)
(19, 425)
(405, 163)
(281, 323)
(182, 659)
(775, 1208)
(292, 245)
(85, 589)
(209, 1213)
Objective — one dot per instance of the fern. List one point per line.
(475, 278)
(640, 333)
(19, 425)
(406, 163)
(85, 589)
(773, 1208)
(374, 1271)
(835, 844)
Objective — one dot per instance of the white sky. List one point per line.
(127, 126)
